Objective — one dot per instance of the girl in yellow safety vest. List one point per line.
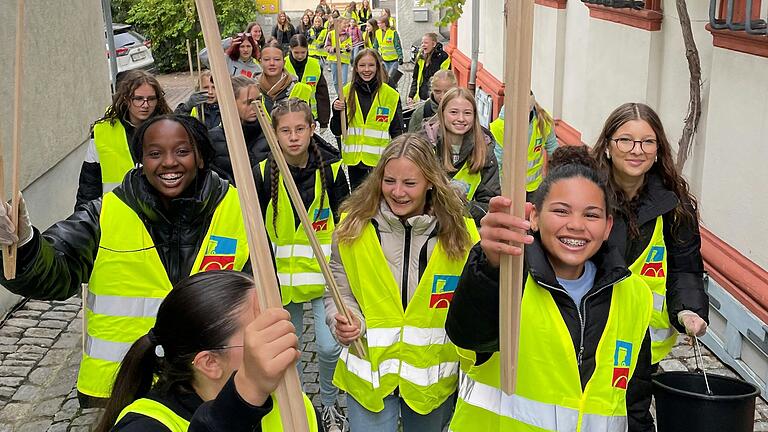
(210, 343)
(138, 98)
(317, 35)
(387, 43)
(657, 227)
(276, 83)
(465, 149)
(323, 186)
(397, 256)
(583, 342)
(168, 219)
(309, 70)
(374, 116)
(345, 47)
(203, 103)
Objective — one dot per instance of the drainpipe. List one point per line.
(106, 6)
(475, 44)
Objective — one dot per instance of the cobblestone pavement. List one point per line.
(40, 348)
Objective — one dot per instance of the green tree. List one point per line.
(169, 23)
(452, 10)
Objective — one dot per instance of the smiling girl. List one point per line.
(465, 149)
(396, 257)
(584, 317)
(170, 218)
(314, 166)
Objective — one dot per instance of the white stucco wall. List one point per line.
(547, 61)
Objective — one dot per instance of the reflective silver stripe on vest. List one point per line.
(661, 334)
(418, 376)
(369, 133)
(531, 178)
(658, 301)
(598, 423)
(533, 163)
(374, 150)
(301, 251)
(385, 337)
(123, 306)
(106, 350)
(543, 415)
(296, 279)
(107, 187)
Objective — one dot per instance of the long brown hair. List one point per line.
(543, 118)
(442, 201)
(380, 77)
(664, 167)
(128, 84)
(285, 106)
(479, 148)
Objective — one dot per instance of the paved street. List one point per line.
(40, 345)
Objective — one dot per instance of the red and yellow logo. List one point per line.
(220, 254)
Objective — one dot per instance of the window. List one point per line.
(643, 15)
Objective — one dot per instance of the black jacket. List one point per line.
(256, 144)
(473, 318)
(54, 264)
(211, 112)
(438, 57)
(89, 184)
(228, 412)
(322, 98)
(283, 37)
(685, 267)
(337, 191)
(365, 92)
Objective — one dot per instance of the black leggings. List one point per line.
(357, 174)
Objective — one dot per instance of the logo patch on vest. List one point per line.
(443, 287)
(311, 81)
(461, 186)
(654, 262)
(320, 219)
(220, 254)
(382, 114)
(622, 357)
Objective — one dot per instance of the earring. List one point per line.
(607, 154)
(656, 159)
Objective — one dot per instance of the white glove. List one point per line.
(8, 234)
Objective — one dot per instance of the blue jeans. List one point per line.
(390, 67)
(327, 348)
(362, 420)
(344, 74)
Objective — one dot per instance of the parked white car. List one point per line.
(133, 51)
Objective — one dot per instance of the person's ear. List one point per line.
(209, 364)
(608, 227)
(312, 127)
(534, 218)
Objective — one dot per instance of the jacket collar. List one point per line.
(610, 265)
(388, 222)
(655, 199)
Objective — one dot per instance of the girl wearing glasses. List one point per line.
(138, 98)
(656, 226)
(315, 168)
(170, 218)
(212, 355)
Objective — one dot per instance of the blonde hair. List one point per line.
(479, 147)
(543, 118)
(205, 74)
(442, 200)
(445, 75)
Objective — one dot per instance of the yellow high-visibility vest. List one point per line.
(651, 267)
(128, 282)
(535, 174)
(346, 43)
(367, 138)
(445, 65)
(317, 46)
(114, 155)
(407, 349)
(386, 43)
(549, 396)
(312, 74)
(467, 181)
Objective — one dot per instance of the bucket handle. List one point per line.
(700, 368)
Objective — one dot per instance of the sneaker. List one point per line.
(333, 419)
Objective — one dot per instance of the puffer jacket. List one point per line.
(407, 247)
(54, 264)
(685, 267)
(423, 112)
(473, 318)
(490, 184)
(255, 142)
(305, 180)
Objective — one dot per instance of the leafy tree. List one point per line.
(452, 9)
(169, 23)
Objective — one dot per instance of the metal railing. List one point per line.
(755, 26)
(618, 4)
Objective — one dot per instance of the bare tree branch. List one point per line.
(685, 146)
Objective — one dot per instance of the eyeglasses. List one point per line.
(301, 130)
(626, 145)
(224, 347)
(139, 101)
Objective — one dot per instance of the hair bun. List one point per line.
(576, 155)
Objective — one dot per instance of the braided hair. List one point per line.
(286, 106)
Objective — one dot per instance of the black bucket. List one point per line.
(682, 403)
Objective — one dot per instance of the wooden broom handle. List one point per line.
(340, 79)
(289, 394)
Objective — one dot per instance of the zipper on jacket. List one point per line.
(406, 265)
(582, 318)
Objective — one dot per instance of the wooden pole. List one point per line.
(189, 58)
(517, 83)
(340, 78)
(289, 395)
(9, 263)
(199, 78)
(298, 204)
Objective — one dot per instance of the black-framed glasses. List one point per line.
(626, 145)
(139, 101)
(224, 347)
